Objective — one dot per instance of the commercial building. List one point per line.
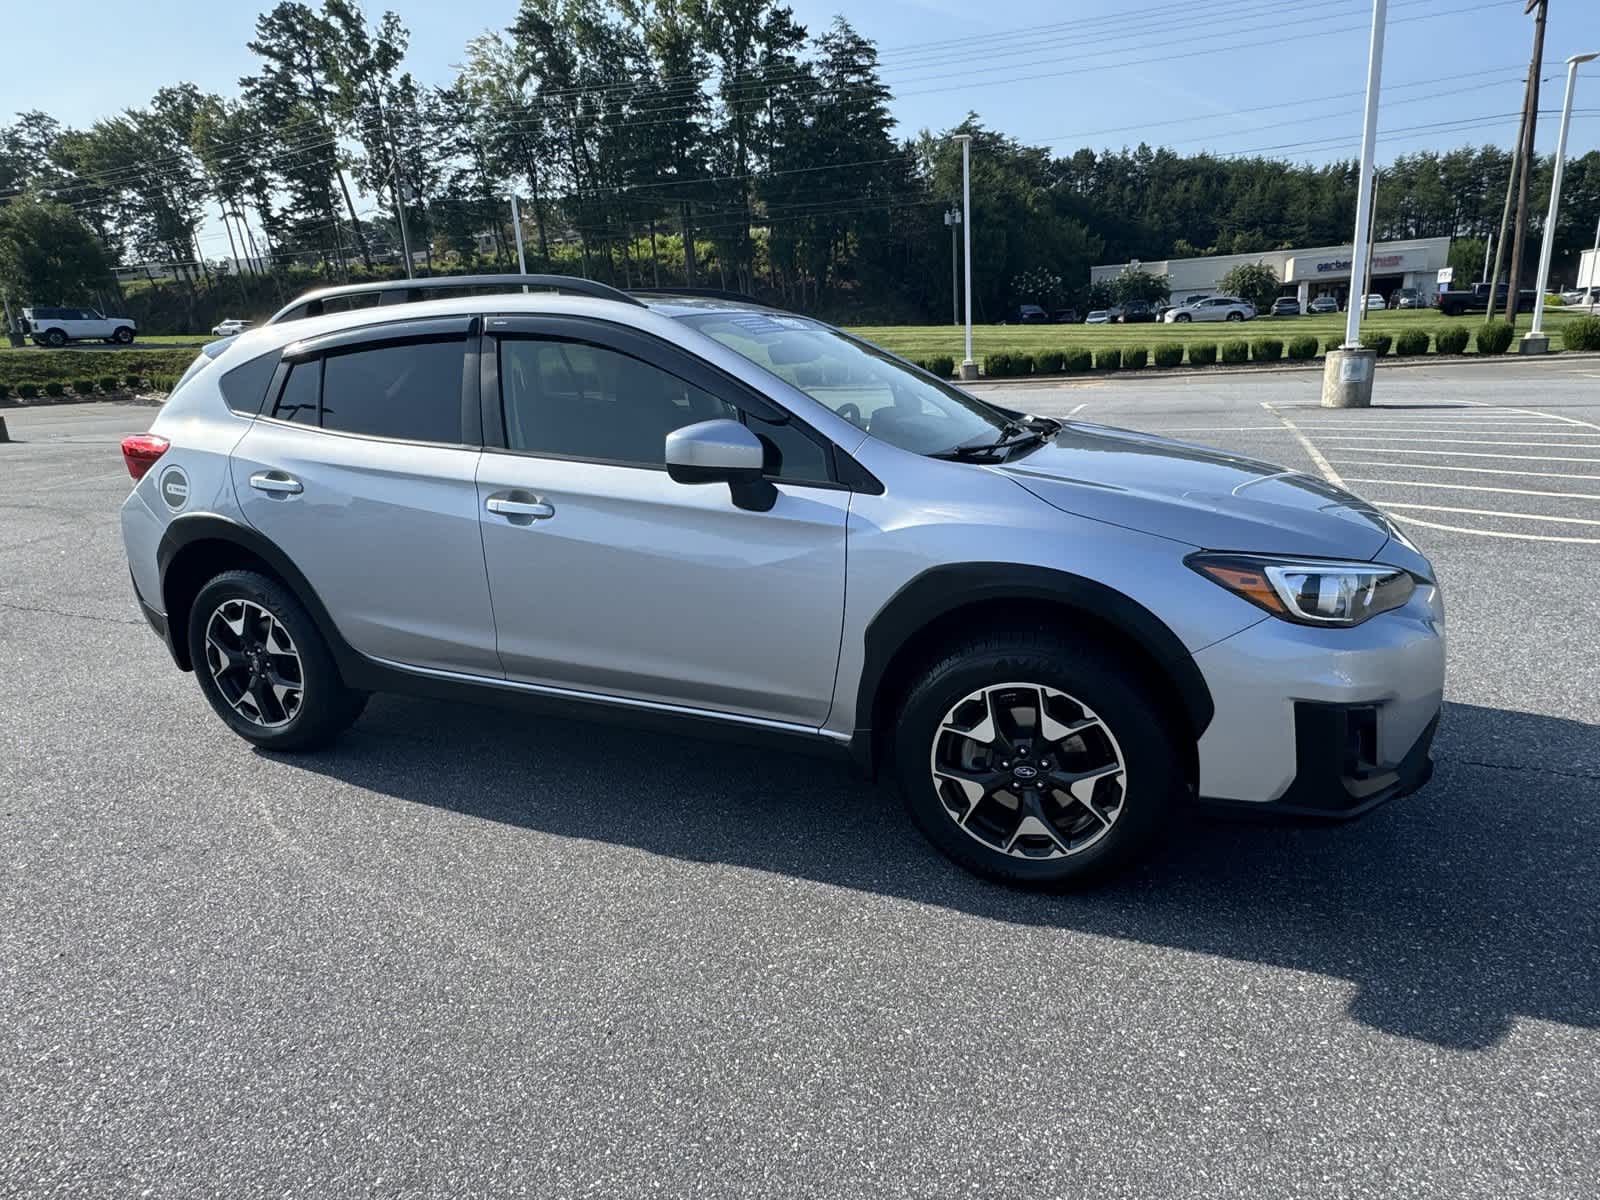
(1305, 274)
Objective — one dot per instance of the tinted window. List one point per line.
(791, 453)
(584, 401)
(298, 400)
(410, 391)
(244, 386)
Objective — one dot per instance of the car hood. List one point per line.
(1195, 494)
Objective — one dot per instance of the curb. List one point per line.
(61, 401)
(1281, 368)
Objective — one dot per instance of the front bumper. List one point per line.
(1329, 722)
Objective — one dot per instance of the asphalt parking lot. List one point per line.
(469, 953)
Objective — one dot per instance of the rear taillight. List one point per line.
(141, 451)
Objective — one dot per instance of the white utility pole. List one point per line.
(969, 369)
(952, 218)
(1534, 341)
(516, 226)
(1488, 247)
(1364, 189)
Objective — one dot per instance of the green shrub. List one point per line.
(1047, 362)
(5, 391)
(132, 382)
(1235, 350)
(1582, 333)
(1168, 354)
(1134, 357)
(1303, 346)
(1202, 354)
(1377, 341)
(1452, 340)
(1412, 341)
(27, 390)
(84, 387)
(1334, 342)
(1554, 301)
(108, 383)
(941, 365)
(1077, 361)
(54, 388)
(1494, 337)
(1001, 364)
(162, 383)
(1107, 358)
(1266, 350)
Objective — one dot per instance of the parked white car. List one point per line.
(58, 326)
(1212, 308)
(1375, 302)
(1098, 317)
(231, 327)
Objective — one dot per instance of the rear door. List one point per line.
(619, 581)
(361, 469)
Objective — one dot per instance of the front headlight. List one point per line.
(1309, 591)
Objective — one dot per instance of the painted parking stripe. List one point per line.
(1490, 512)
(1473, 487)
(1536, 413)
(1315, 455)
(1476, 454)
(1497, 533)
(1434, 441)
(1470, 470)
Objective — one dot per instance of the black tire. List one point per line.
(1141, 730)
(55, 338)
(122, 336)
(1235, 316)
(1183, 318)
(325, 707)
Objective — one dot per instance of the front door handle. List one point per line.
(276, 483)
(514, 506)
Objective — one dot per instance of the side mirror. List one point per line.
(722, 451)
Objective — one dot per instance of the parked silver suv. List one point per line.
(697, 510)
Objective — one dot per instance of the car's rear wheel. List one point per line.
(265, 667)
(1235, 316)
(1035, 759)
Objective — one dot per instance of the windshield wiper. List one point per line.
(1015, 434)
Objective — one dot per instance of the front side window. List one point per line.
(866, 386)
(410, 391)
(578, 400)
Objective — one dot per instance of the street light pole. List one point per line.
(516, 228)
(952, 218)
(969, 369)
(1347, 372)
(1534, 341)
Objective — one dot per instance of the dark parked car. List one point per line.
(1284, 306)
(1323, 304)
(1030, 314)
(1065, 316)
(1406, 298)
(1136, 311)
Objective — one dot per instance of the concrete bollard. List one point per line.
(4, 435)
(1347, 378)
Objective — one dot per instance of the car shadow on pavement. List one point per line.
(1453, 912)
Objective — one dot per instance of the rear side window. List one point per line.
(410, 391)
(298, 400)
(245, 385)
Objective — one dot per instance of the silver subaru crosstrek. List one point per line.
(695, 510)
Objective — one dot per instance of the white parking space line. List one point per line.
(1321, 463)
(1079, 409)
(1475, 487)
(1476, 454)
(1491, 512)
(1496, 533)
(1470, 470)
(1434, 441)
(1543, 428)
(1536, 413)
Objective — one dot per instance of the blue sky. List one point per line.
(1282, 77)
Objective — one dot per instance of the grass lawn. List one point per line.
(925, 341)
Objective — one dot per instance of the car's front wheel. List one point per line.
(1183, 317)
(265, 667)
(1035, 759)
(122, 336)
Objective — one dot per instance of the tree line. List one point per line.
(652, 142)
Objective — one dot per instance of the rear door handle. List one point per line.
(276, 483)
(507, 506)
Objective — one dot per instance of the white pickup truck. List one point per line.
(58, 326)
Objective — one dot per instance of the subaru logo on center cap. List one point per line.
(174, 488)
(1024, 771)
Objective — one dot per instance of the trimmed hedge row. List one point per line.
(67, 366)
(1582, 333)
(31, 389)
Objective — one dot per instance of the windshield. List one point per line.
(859, 382)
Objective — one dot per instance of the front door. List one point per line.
(610, 578)
(361, 472)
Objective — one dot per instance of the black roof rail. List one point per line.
(411, 291)
(700, 293)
